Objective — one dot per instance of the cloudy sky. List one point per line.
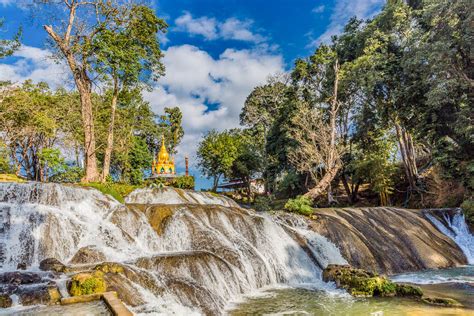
(216, 51)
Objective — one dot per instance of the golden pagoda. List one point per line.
(163, 164)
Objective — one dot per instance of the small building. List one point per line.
(257, 185)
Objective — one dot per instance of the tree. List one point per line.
(33, 118)
(171, 122)
(384, 79)
(259, 113)
(50, 161)
(9, 46)
(128, 55)
(318, 82)
(248, 162)
(81, 31)
(377, 164)
(441, 66)
(216, 154)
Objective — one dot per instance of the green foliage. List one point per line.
(376, 164)
(51, 160)
(263, 203)
(300, 205)
(171, 123)
(217, 152)
(183, 182)
(85, 284)
(7, 46)
(290, 184)
(468, 208)
(70, 174)
(5, 163)
(116, 190)
(180, 182)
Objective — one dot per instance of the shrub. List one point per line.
(300, 205)
(468, 208)
(263, 203)
(183, 182)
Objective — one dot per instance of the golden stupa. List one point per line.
(163, 164)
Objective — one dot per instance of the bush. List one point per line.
(300, 205)
(468, 208)
(183, 182)
(263, 204)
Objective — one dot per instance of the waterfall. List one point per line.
(182, 251)
(455, 227)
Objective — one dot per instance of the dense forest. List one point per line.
(381, 115)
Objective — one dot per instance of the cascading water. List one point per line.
(182, 251)
(455, 227)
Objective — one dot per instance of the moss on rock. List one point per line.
(442, 301)
(5, 301)
(408, 290)
(87, 283)
(109, 267)
(362, 283)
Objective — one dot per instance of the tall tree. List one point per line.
(317, 80)
(128, 55)
(171, 123)
(82, 30)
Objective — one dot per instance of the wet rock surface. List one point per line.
(387, 240)
(31, 288)
(52, 264)
(87, 254)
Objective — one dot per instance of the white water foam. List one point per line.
(454, 275)
(455, 227)
(222, 250)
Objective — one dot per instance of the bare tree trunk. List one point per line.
(407, 152)
(323, 183)
(216, 183)
(84, 87)
(110, 133)
(91, 173)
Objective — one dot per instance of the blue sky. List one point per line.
(216, 51)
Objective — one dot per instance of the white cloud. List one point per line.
(236, 29)
(35, 64)
(195, 79)
(204, 26)
(212, 29)
(318, 9)
(6, 2)
(342, 12)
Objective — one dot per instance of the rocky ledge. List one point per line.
(362, 283)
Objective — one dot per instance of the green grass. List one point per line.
(117, 190)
